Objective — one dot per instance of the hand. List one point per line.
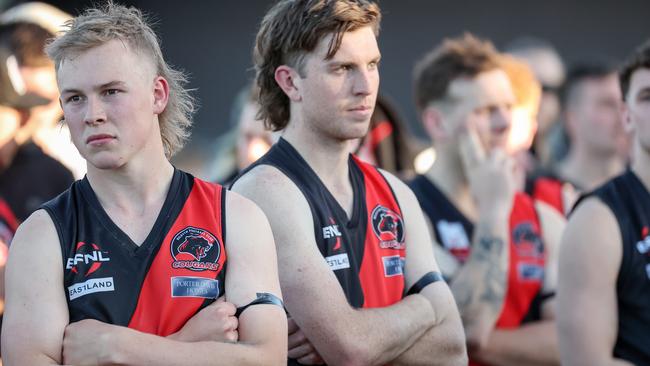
(300, 348)
(88, 342)
(491, 177)
(216, 322)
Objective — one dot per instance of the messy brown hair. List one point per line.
(639, 59)
(293, 28)
(466, 56)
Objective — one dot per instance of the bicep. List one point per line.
(36, 312)
(252, 269)
(590, 257)
(312, 294)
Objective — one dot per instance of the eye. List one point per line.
(373, 65)
(111, 91)
(73, 99)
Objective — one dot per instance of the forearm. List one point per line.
(534, 344)
(130, 347)
(380, 335)
(480, 285)
(444, 344)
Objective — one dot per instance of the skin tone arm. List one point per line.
(479, 286)
(25, 338)
(261, 328)
(314, 298)
(590, 259)
(533, 343)
(444, 343)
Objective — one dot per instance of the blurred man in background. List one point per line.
(599, 145)
(503, 243)
(548, 67)
(604, 287)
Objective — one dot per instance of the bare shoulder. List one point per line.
(404, 194)
(275, 193)
(552, 224)
(592, 235)
(38, 232)
(240, 208)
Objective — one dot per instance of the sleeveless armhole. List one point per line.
(59, 232)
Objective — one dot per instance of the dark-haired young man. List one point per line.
(604, 278)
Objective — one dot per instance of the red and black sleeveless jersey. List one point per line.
(366, 251)
(549, 191)
(629, 201)
(8, 227)
(527, 259)
(154, 287)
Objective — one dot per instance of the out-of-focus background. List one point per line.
(212, 41)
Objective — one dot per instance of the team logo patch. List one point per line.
(393, 266)
(195, 249)
(88, 258)
(206, 288)
(530, 272)
(388, 227)
(527, 241)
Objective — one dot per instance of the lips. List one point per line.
(99, 139)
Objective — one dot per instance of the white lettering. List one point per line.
(339, 261)
(105, 284)
(95, 256)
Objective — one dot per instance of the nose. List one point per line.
(365, 82)
(95, 113)
(501, 118)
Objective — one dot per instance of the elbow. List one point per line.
(352, 354)
(348, 351)
(476, 340)
(457, 351)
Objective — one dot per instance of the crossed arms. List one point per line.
(36, 329)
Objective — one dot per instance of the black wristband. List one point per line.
(424, 281)
(262, 298)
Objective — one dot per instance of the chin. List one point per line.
(106, 162)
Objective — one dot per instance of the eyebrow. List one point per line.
(110, 84)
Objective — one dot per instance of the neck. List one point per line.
(448, 176)
(641, 165)
(134, 186)
(326, 156)
(590, 170)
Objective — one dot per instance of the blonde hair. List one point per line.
(527, 90)
(96, 27)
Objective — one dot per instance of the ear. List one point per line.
(570, 123)
(626, 118)
(288, 79)
(433, 122)
(160, 94)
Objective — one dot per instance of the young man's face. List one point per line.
(338, 95)
(596, 115)
(485, 103)
(637, 107)
(107, 96)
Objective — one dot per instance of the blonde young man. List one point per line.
(131, 259)
(503, 243)
(357, 271)
(604, 287)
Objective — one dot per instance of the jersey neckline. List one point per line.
(153, 237)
